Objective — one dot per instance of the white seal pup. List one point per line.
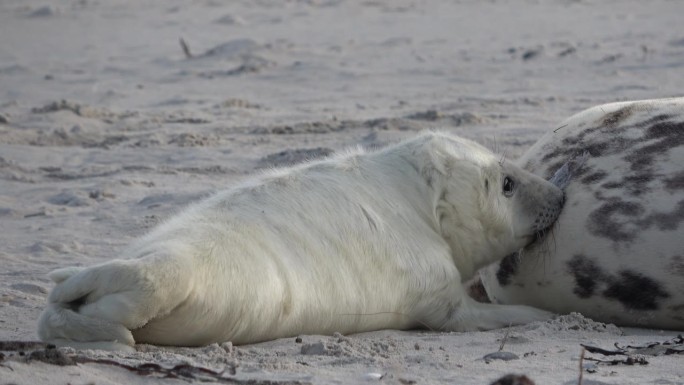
(353, 243)
(617, 251)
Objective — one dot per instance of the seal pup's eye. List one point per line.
(508, 186)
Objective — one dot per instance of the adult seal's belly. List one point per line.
(617, 251)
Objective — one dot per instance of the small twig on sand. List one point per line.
(594, 349)
(505, 337)
(581, 364)
(186, 49)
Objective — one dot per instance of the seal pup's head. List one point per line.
(485, 207)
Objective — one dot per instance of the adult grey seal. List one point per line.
(617, 252)
(357, 242)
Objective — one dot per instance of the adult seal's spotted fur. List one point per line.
(357, 242)
(617, 252)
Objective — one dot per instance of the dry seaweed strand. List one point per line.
(630, 361)
(634, 355)
(183, 371)
(673, 346)
(15, 346)
(50, 355)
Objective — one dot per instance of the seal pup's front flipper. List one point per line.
(472, 315)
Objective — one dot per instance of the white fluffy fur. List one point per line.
(357, 242)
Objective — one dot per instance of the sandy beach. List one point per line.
(114, 115)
